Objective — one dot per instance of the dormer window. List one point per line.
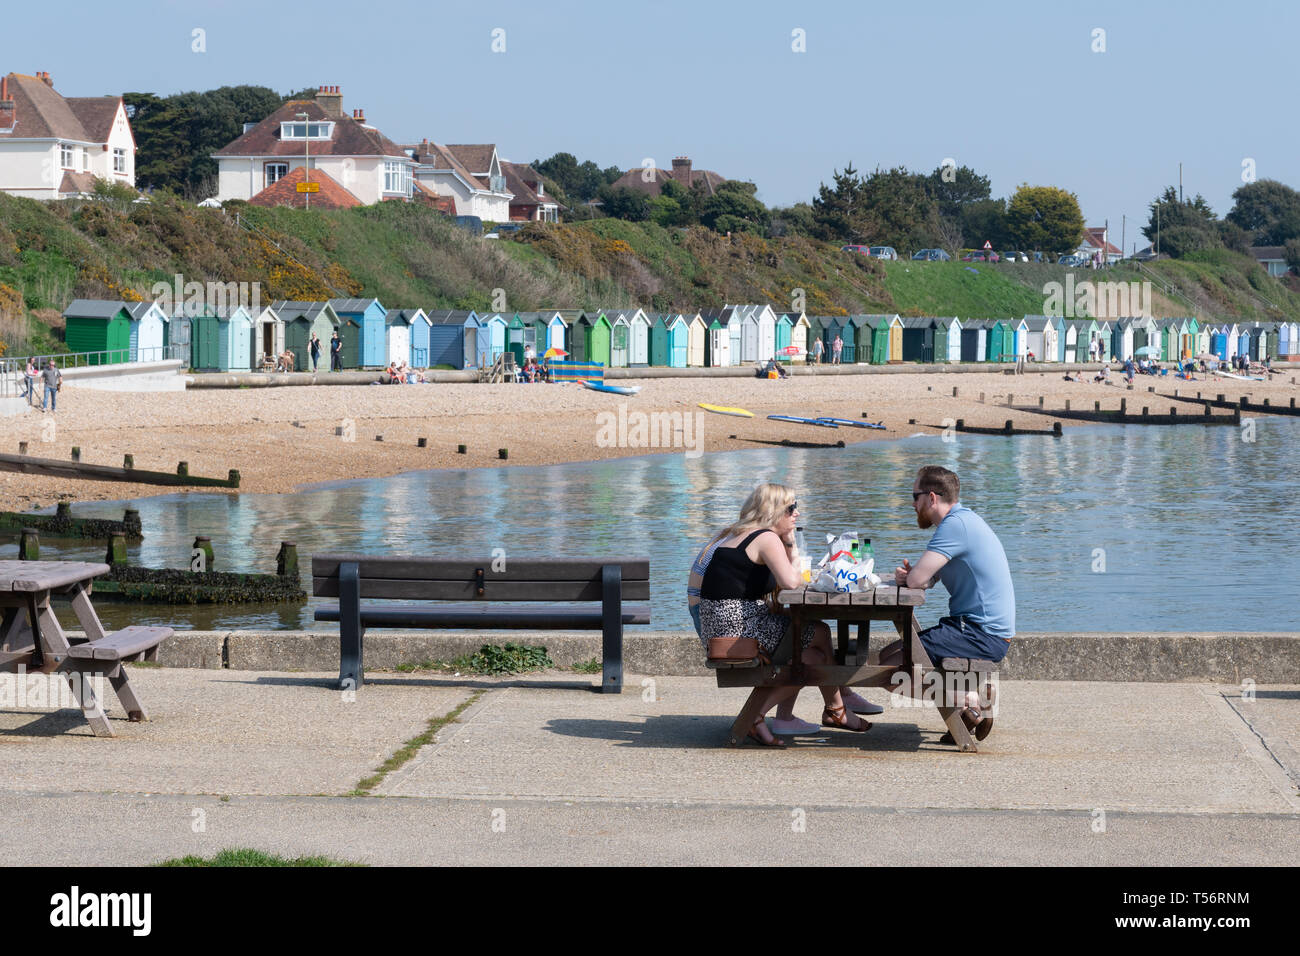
(306, 130)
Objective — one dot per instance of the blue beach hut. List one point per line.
(454, 338)
(369, 318)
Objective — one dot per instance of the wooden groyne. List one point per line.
(1243, 404)
(62, 524)
(1147, 416)
(76, 468)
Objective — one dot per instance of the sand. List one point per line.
(253, 430)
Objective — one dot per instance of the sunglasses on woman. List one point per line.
(792, 507)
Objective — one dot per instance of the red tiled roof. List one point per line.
(441, 157)
(74, 183)
(96, 113)
(476, 158)
(284, 192)
(41, 113)
(350, 138)
(632, 180)
(1093, 234)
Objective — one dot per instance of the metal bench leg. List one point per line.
(350, 629)
(611, 638)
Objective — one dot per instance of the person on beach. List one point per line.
(314, 350)
(1103, 376)
(336, 353)
(1129, 371)
(818, 348)
(837, 348)
(52, 378)
(29, 381)
(752, 557)
(966, 556)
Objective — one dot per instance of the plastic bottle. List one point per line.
(803, 561)
(855, 548)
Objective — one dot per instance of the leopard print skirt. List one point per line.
(733, 617)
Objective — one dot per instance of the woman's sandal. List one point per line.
(776, 742)
(836, 717)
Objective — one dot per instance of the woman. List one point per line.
(751, 558)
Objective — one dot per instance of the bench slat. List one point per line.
(490, 616)
(521, 569)
(122, 644)
(467, 590)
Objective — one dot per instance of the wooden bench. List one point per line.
(134, 643)
(586, 594)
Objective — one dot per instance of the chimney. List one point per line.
(6, 105)
(682, 170)
(359, 115)
(330, 100)
(46, 77)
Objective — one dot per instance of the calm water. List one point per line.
(1167, 507)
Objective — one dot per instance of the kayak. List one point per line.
(613, 389)
(723, 410)
(854, 424)
(824, 423)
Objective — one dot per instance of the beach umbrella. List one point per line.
(1209, 358)
(790, 350)
(555, 353)
(1147, 350)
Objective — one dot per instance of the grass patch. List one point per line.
(245, 857)
(491, 659)
(591, 665)
(410, 748)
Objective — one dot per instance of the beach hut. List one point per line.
(669, 341)
(366, 343)
(301, 319)
(454, 338)
(947, 339)
(784, 324)
(492, 341)
(1001, 342)
(148, 332)
(638, 338)
(1103, 337)
(1286, 343)
(1020, 332)
(972, 340)
(757, 332)
(1040, 337)
(594, 328)
(221, 342)
(418, 323)
(620, 339)
(559, 330)
(397, 326)
(1244, 337)
(918, 339)
(849, 334)
(824, 327)
(101, 327)
(659, 341)
(801, 333)
(1203, 334)
(717, 346)
(267, 338)
(697, 334)
(1121, 339)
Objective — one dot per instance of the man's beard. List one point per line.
(922, 522)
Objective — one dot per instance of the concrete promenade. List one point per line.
(538, 769)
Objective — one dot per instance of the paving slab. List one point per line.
(1056, 745)
(221, 731)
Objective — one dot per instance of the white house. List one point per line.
(53, 147)
(1096, 239)
(472, 176)
(315, 134)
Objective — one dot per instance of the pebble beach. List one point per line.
(281, 439)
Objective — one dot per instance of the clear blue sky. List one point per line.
(1013, 90)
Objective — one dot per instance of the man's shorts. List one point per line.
(957, 637)
(695, 616)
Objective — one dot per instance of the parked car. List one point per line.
(931, 255)
(506, 228)
(1072, 261)
(979, 255)
(884, 252)
(864, 250)
(1014, 257)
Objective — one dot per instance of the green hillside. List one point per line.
(408, 255)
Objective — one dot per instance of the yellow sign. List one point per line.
(309, 187)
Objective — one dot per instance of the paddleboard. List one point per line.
(1244, 378)
(855, 424)
(723, 410)
(613, 389)
(803, 421)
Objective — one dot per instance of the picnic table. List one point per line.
(887, 602)
(32, 640)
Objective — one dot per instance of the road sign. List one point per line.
(309, 187)
(987, 245)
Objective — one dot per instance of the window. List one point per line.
(274, 171)
(306, 130)
(65, 156)
(119, 161)
(397, 178)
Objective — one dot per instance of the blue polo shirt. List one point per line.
(977, 576)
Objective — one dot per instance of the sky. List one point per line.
(1103, 99)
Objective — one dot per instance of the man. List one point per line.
(336, 353)
(837, 349)
(315, 352)
(968, 558)
(52, 378)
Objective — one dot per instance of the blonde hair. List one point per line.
(764, 507)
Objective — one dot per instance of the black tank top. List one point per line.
(731, 575)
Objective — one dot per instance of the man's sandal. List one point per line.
(977, 727)
(836, 717)
(776, 742)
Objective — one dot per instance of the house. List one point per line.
(1095, 239)
(472, 176)
(650, 179)
(54, 147)
(530, 202)
(318, 135)
(1272, 258)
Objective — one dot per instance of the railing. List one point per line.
(13, 369)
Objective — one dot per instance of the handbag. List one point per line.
(734, 649)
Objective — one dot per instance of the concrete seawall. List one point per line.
(1219, 657)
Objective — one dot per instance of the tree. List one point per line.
(954, 188)
(838, 215)
(1268, 210)
(624, 203)
(986, 220)
(577, 180)
(796, 220)
(734, 208)
(1292, 249)
(1182, 225)
(898, 209)
(1044, 218)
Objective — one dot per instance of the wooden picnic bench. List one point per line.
(32, 640)
(852, 666)
(498, 594)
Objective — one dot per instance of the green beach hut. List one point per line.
(99, 326)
